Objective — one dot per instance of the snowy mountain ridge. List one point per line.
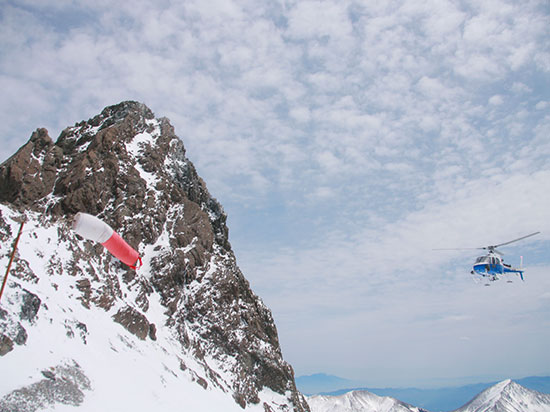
(358, 401)
(505, 396)
(79, 328)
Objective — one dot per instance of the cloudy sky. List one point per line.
(346, 140)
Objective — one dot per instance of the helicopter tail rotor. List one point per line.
(521, 263)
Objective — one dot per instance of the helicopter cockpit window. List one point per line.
(481, 259)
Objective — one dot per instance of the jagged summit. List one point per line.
(189, 306)
(120, 162)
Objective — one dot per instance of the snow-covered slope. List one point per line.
(80, 329)
(508, 396)
(358, 401)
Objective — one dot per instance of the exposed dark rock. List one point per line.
(11, 331)
(153, 331)
(83, 330)
(25, 307)
(63, 384)
(29, 175)
(30, 305)
(20, 335)
(5, 229)
(85, 287)
(6, 345)
(202, 382)
(133, 321)
(49, 374)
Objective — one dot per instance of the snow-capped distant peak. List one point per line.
(358, 401)
(508, 396)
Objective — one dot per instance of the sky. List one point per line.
(346, 140)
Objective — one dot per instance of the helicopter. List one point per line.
(491, 266)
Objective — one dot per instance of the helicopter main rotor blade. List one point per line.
(461, 248)
(511, 241)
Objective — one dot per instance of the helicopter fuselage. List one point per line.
(492, 266)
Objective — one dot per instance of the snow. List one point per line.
(136, 146)
(494, 393)
(505, 396)
(126, 373)
(508, 396)
(357, 401)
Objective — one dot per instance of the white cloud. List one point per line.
(315, 19)
(496, 100)
(542, 59)
(300, 114)
(520, 87)
(366, 133)
(497, 38)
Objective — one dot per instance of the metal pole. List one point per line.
(11, 259)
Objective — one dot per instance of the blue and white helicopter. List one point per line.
(491, 266)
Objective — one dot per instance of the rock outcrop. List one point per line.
(130, 169)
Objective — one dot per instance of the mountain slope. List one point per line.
(358, 401)
(77, 327)
(508, 396)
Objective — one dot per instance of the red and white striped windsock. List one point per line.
(92, 228)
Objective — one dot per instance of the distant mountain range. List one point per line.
(505, 396)
(439, 399)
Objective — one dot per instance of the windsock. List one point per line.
(92, 228)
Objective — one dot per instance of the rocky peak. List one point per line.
(121, 161)
(130, 169)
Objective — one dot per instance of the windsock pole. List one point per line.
(11, 259)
